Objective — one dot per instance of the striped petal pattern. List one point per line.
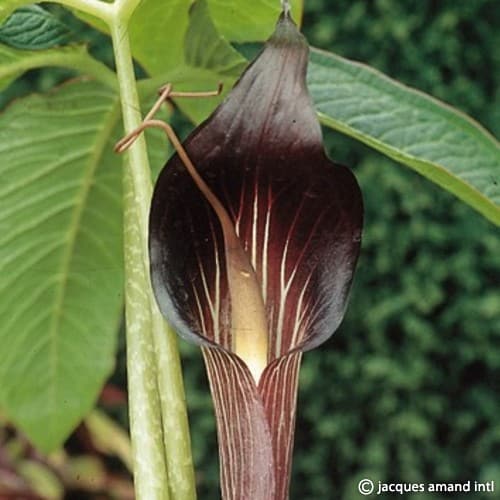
(298, 218)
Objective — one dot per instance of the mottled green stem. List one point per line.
(159, 413)
(150, 468)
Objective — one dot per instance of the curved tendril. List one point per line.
(249, 328)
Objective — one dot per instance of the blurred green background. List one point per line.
(408, 389)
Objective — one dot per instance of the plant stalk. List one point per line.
(155, 365)
(150, 470)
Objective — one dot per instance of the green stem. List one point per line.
(156, 363)
(177, 442)
(137, 154)
(150, 468)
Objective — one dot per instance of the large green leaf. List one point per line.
(437, 141)
(32, 27)
(60, 257)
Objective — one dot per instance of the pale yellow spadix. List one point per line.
(249, 329)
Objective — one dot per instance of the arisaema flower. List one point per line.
(252, 256)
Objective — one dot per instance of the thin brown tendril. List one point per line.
(165, 93)
(248, 316)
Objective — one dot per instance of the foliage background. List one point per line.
(407, 389)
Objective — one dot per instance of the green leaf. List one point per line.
(244, 21)
(60, 255)
(60, 258)
(14, 62)
(91, 20)
(205, 48)
(33, 28)
(434, 139)
(210, 59)
(157, 31)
